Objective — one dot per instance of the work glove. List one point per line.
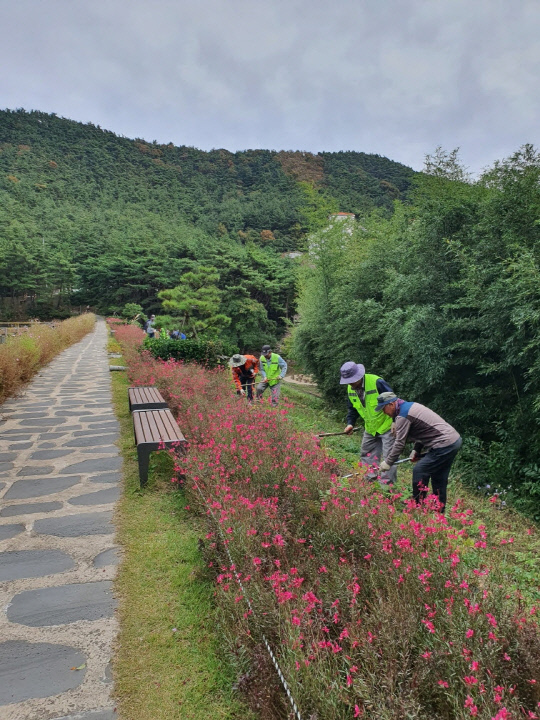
(348, 430)
(241, 392)
(414, 456)
(384, 466)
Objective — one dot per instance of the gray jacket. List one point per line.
(419, 424)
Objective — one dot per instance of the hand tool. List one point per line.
(339, 433)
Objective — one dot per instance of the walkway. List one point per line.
(59, 479)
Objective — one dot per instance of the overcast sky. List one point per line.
(394, 77)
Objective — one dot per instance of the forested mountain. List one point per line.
(88, 217)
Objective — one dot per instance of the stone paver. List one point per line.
(37, 670)
(26, 489)
(29, 508)
(57, 552)
(76, 525)
(107, 557)
(100, 497)
(108, 714)
(9, 531)
(61, 605)
(19, 564)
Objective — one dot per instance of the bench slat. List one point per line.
(164, 425)
(174, 430)
(147, 428)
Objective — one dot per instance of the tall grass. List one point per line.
(374, 608)
(23, 355)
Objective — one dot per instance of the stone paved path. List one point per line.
(59, 480)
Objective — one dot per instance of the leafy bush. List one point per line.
(207, 352)
(132, 310)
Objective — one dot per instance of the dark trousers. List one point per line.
(247, 382)
(435, 465)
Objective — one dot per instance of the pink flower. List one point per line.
(442, 683)
(257, 561)
(357, 711)
(469, 633)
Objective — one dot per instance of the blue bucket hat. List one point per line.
(351, 372)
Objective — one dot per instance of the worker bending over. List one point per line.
(419, 424)
(244, 368)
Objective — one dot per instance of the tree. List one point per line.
(447, 165)
(195, 300)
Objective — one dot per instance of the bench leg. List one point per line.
(143, 454)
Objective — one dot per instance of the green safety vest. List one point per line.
(271, 368)
(374, 422)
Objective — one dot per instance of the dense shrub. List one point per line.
(373, 608)
(23, 355)
(207, 352)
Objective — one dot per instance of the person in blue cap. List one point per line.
(428, 431)
(377, 440)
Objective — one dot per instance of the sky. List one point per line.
(393, 77)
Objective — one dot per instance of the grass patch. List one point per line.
(167, 664)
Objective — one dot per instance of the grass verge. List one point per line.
(167, 664)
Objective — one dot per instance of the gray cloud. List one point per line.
(397, 78)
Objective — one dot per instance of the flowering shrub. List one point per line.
(373, 607)
(23, 355)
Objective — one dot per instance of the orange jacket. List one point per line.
(251, 364)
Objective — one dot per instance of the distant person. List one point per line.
(377, 440)
(244, 368)
(273, 370)
(149, 326)
(427, 430)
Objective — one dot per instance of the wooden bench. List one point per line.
(145, 398)
(155, 430)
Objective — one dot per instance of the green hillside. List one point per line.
(91, 218)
